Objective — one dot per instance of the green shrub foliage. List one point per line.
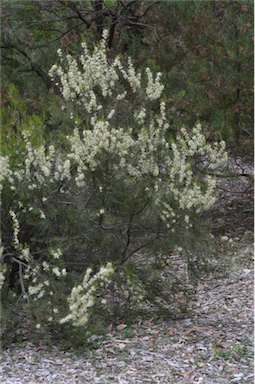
(121, 186)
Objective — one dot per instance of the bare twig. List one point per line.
(21, 265)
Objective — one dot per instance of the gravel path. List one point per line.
(213, 346)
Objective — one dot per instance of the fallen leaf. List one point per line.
(128, 372)
(188, 357)
(120, 327)
(165, 349)
(110, 350)
(125, 341)
(187, 373)
(171, 331)
(195, 329)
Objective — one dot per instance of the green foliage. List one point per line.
(109, 3)
(205, 50)
(235, 353)
(16, 118)
(9, 317)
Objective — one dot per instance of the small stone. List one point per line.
(120, 327)
(121, 346)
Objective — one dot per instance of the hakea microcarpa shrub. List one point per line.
(127, 183)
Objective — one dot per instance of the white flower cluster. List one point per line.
(5, 171)
(136, 156)
(130, 75)
(186, 190)
(2, 279)
(40, 285)
(85, 151)
(43, 166)
(80, 84)
(2, 276)
(59, 273)
(91, 77)
(132, 289)
(36, 290)
(194, 143)
(82, 298)
(56, 253)
(16, 229)
(24, 253)
(33, 271)
(140, 116)
(154, 88)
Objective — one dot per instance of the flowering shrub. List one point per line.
(121, 186)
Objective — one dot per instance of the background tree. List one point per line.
(205, 50)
